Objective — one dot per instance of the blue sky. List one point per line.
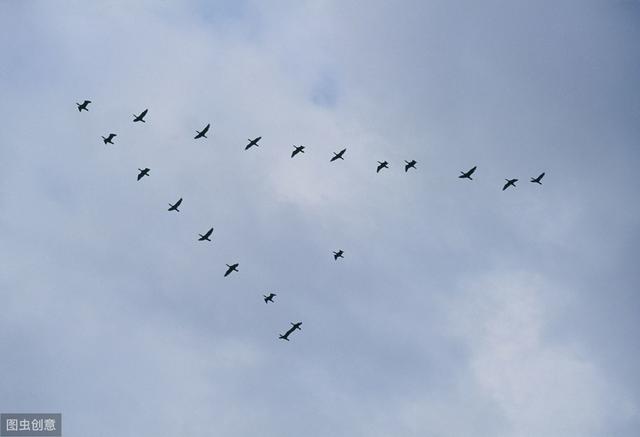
(459, 309)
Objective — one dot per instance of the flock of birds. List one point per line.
(142, 172)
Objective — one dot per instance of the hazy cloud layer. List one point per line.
(458, 310)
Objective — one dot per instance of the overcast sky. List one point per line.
(459, 309)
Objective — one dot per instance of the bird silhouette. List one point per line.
(175, 206)
(203, 132)
(381, 165)
(538, 179)
(206, 235)
(298, 149)
(468, 174)
(83, 106)
(231, 268)
(338, 155)
(294, 326)
(510, 182)
(140, 117)
(109, 139)
(252, 143)
(143, 172)
(269, 298)
(338, 254)
(410, 164)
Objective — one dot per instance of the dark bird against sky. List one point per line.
(338, 155)
(297, 149)
(410, 164)
(510, 182)
(140, 117)
(269, 298)
(381, 165)
(109, 139)
(231, 268)
(143, 172)
(253, 142)
(294, 326)
(338, 254)
(83, 106)
(538, 179)
(468, 174)
(206, 235)
(175, 206)
(203, 132)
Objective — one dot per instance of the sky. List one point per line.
(459, 309)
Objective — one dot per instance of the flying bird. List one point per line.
(253, 142)
(538, 179)
(83, 106)
(143, 172)
(175, 206)
(109, 139)
(298, 149)
(206, 236)
(381, 165)
(140, 117)
(269, 298)
(294, 326)
(338, 155)
(203, 132)
(231, 268)
(510, 182)
(338, 254)
(468, 174)
(410, 164)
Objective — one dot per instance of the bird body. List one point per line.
(206, 235)
(338, 155)
(294, 326)
(381, 165)
(468, 174)
(510, 182)
(175, 206)
(231, 268)
(538, 179)
(338, 254)
(83, 106)
(269, 298)
(140, 117)
(297, 149)
(253, 142)
(109, 139)
(143, 172)
(203, 132)
(410, 164)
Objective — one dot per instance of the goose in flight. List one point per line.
(381, 165)
(269, 298)
(538, 179)
(206, 236)
(294, 326)
(510, 182)
(175, 206)
(338, 254)
(468, 174)
(143, 172)
(298, 149)
(83, 106)
(231, 268)
(338, 155)
(109, 139)
(253, 142)
(140, 117)
(410, 164)
(203, 132)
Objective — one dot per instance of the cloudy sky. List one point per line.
(458, 310)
